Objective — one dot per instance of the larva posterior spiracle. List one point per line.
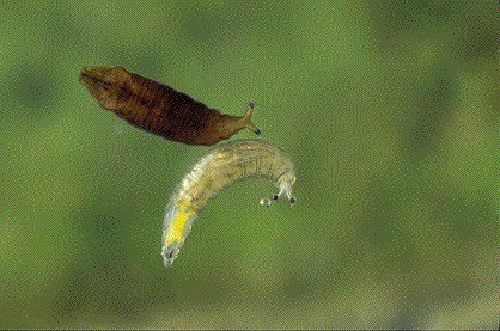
(220, 167)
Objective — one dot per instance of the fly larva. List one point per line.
(159, 109)
(222, 166)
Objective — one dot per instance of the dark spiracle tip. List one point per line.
(251, 105)
(257, 132)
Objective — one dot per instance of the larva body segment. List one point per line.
(159, 109)
(220, 167)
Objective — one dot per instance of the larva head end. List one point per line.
(265, 202)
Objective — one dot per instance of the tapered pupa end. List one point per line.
(247, 119)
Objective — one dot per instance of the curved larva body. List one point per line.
(159, 109)
(222, 166)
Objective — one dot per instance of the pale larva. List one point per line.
(222, 166)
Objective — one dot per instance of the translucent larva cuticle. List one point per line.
(221, 166)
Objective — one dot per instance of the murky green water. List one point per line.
(387, 108)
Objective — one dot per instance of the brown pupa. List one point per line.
(159, 109)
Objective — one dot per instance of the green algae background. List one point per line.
(387, 108)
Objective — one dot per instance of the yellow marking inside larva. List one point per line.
(175, 232)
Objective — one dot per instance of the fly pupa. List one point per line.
(159, 109)
(220, 167)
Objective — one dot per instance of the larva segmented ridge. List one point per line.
(220, 167)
